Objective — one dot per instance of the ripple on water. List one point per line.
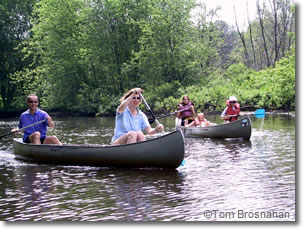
(223, 175)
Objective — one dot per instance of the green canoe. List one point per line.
(166, 151)
(237, 129)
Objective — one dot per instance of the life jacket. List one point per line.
(230, 111)
(187, 114)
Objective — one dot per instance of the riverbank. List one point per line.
(60, 114)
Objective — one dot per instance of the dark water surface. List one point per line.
(222, 180)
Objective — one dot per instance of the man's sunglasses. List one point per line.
(33, 101)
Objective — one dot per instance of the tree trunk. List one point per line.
(263, 34)
(241, 35)
(251, 37)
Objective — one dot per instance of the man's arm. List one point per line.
(51, 124)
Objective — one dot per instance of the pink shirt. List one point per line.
(198, 122)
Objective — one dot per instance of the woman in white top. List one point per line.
(131, 121)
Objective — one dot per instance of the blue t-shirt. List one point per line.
(126, 122)
(27, 119)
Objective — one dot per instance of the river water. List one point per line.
(222, 180)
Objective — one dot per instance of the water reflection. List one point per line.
(230, 148)
(86, 193)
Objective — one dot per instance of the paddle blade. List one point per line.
(260, 112)
(183, 163)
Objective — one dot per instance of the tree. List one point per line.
(165, 34)
(57, 47)
(14, 27)
(251, 38)
(230, 40)
(261, 20)
(113, 39)
(268, 35)
(206, 42)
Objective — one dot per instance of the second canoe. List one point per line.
(237, 129)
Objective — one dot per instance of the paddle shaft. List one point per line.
(172, 113)
(23, 128)
(151, 112)
(257, 112)
(163, 116)
(240, 115)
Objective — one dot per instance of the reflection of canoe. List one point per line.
(237, 129)
(166, 151)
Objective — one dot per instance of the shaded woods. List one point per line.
(80, 56)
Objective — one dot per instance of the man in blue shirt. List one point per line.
(37, 133)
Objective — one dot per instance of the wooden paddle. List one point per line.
(23, 128)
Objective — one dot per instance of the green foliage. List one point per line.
(271, 88)
(165, 97)
(30, 81)
(163, 52)
(14, 27)
(58, 30)
(276, 86)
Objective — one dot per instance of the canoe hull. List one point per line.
(237, 129)
(163, 152)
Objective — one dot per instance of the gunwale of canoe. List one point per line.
(166, 151)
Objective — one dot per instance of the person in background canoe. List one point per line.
(37, 133)
(232, 110)
(200, 121)
(131, 121)
(188, 110)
